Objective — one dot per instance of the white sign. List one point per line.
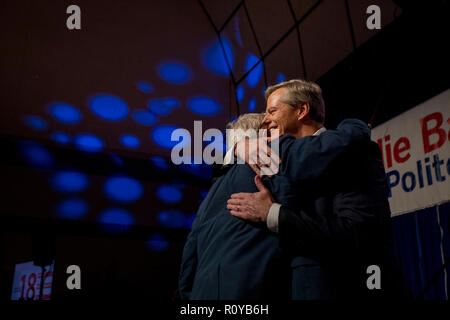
(416, 155)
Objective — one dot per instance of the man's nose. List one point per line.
(266, 120)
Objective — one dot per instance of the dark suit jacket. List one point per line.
(339, 227)
(228, 258)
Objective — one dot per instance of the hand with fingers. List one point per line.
(251, 206)
(258, 155)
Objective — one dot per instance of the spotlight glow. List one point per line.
(123, 189)
(65, 113)
(88, 142)
(35, 122)
(109, 107)
(204, 106)
(174, 72)
(255, 75)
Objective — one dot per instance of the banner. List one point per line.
(416, 154)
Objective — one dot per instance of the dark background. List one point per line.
(372, 75)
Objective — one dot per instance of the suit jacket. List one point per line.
(339, 227)
(228, 258)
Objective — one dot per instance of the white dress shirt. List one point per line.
(274, 212)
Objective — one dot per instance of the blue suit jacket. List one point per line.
(228, 258)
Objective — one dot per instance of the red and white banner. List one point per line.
(416, 155)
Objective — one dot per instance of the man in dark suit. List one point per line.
(340, 226)
(228, 258)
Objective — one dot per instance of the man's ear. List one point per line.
(303, 111)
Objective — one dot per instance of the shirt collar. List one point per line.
(323, 129)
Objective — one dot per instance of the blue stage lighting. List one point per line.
(214, 58)
(65, 113)
(69, 181)
(160, 163)
(200, 170)
(118, 219)
(171, 219)
(161, 135)
(144, 117)
(61, 137)
(169, 194)
(174, 72)
(35, 154)
(204, 106)
(130, 141)
(157, 242)
(163, 106)
(35, 122)
(190, 220)
(123, 189)
(109, 107)
(281, 77)
(252, 105)
(240, 92)
(88, 142)
(145, 86)
(255, 75)
(72, 208)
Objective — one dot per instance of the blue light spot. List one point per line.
(157, 242)
(255, 75)
(178, 184)
(174, 72)
(200, 170)
(215, 59)
(169, 194)
(240, 92)
(109, 107)
(69, 181)
(252, 105)
(233, 118)
(72, 208)
(130, 141)
(35, 122)
(88, 142)
(203, 194)
(190, 220)
(160, 163)
(281, 77)
(117, 159)
(237, 32)
(65, 113)
(61, 137)
(123, 189)
(36, 154)
(171, 219)
(204, 106)
(117, 220)
(145, 86)
(163, 106)
(144, 117)
(161, 135)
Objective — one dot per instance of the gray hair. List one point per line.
(244, 126)
(247, 121)
(302, 91)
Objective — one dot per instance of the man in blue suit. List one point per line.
(228, 258)
(339, 227)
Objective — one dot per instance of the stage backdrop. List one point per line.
(416, 155)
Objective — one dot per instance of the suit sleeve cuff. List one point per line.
(272, 217)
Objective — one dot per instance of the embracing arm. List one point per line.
(353, 213)
(308, 157)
